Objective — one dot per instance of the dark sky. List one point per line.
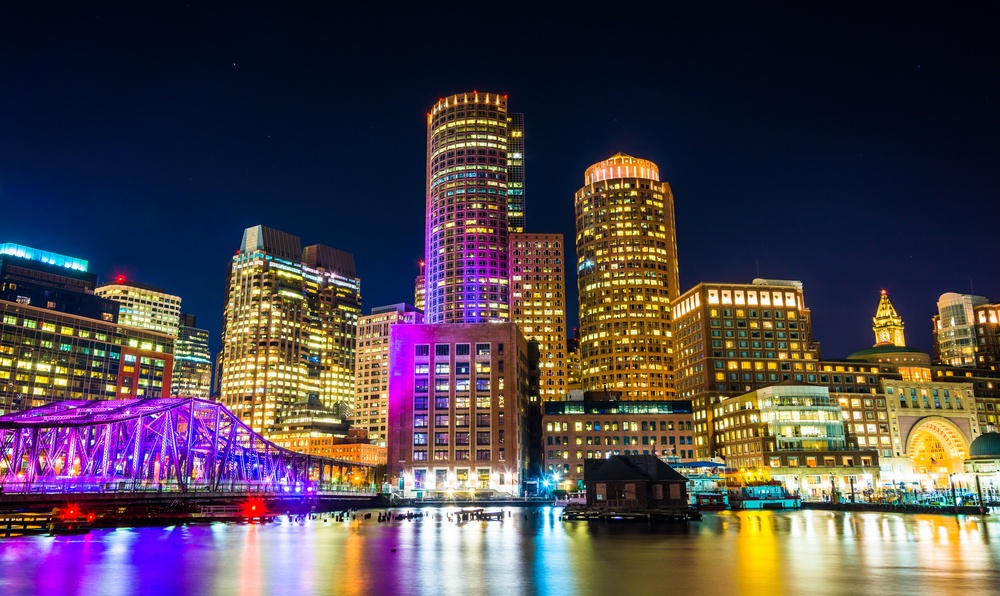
(854, 149)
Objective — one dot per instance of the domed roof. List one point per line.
(889, 350)
(986, 445)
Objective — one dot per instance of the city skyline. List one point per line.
(842, 140)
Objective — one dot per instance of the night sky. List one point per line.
(854, 149)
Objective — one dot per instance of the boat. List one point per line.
(69, 521)
(762, 495)
(573, 498)
(710, 501)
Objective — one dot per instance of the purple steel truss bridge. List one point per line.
(180, 445)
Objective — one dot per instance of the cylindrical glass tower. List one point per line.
(466, 235)
(626, 249)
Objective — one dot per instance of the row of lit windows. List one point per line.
(557, 454)
(460, 455)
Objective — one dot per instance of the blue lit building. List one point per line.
(52, 281)
(59, 341)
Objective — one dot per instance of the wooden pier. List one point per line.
(584, 513)
(33, 524)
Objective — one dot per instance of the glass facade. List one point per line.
(289, 327)
(143, 306)
(192, 361)
(954, 329)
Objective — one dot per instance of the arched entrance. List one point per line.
(936, 448)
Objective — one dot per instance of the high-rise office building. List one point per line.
(731, 339)
(538, 300)
(60, 341)
(735, 338)
(55, 282)
(887, 324)
(466, 241)
(515, 172)
(955, 328)
(289, 327)
(475, 433)
(419, 289)
(626, 250)
(371, 377)
(143, 305)
(192, 360)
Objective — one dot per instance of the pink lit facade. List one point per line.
(458, 398)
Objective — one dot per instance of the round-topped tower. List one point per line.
(626, 247)
(466, 222)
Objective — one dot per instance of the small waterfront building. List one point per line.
(634, 481)
(308, 426)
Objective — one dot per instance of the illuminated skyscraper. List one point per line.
(289, 327)
(192, 361)
(464, 427)
(538, 299)
(515, 172)
(626, 250)
(466, 226)
(371, 378)
(143, 305)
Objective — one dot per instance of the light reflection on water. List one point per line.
(531, 551)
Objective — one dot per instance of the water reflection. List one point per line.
(530, 551)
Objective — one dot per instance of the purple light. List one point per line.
(171, 444)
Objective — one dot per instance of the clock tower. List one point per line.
(887, 324)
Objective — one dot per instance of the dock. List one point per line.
(584, 513)
(34, 524)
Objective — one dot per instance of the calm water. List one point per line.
(530, 552)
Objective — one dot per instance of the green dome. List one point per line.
(887, 351)
(987, 446)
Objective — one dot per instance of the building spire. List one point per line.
(887, 324)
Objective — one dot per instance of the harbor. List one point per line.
(530, 551)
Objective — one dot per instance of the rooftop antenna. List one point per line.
(972, 288)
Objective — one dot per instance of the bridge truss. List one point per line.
(166, 444)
